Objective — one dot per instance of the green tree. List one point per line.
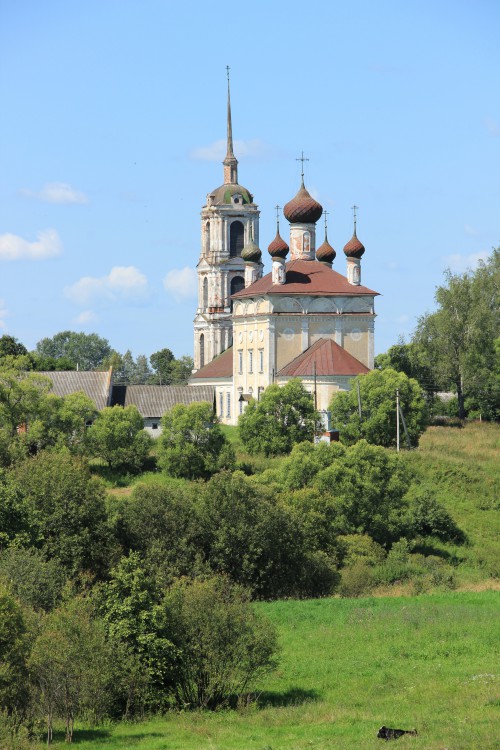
(161, 362)
(459, 338)
(21, 395)
(64, 508)
(118, 437)
(192, 444)
(283, 416)
(367, 485)
(411, 359)
(377, 424)
(224, 646)
(35, 581)
(13, 653)
(69, 665)
(10, 346)
(134, 618)
(61, 422)
(85, 350)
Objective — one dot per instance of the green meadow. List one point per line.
(347, 667)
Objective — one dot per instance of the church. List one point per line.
(303, 320)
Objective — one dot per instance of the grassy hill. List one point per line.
(346, 668)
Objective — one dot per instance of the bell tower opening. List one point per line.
(202, 350)
(236, 239)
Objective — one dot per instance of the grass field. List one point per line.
(347, 667)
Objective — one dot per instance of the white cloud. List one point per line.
(47, 245)
(460, 263)
(470, 231)
(4, 313)
(492, 126)
(125, 283)
(87, 316)
(181, 283)
(217, 150)
(57, 192)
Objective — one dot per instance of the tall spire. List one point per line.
(230, 162)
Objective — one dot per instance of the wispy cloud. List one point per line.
(57, 192)
(181, 283)
(459, 263)
(123, 283)
(492, 126)
(217, 150)
(47, 245)
(87, 316)
(4, 313)
(471, 231)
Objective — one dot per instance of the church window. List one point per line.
(261, 360)
(202, 350)
(240, 361)
(250, 361)
(236, 239)
(207, 237)
(237, 284)
(221, 404)
(228, 403)
(205, 292)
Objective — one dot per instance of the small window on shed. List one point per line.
(154, 426)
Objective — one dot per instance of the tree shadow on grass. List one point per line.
(293, 697)
(84, 736)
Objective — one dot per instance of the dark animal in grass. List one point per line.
(386, 733)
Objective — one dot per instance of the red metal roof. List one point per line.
(305, 277)
(220, 367)
(330, 359)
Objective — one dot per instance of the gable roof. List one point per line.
(220, 367)
(306, 277)
(330, 359)
(155, 400)
(96, 385)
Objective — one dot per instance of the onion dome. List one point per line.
(354, 248)
(251, 253)
(278, 247)
(325, 252)
(303, 209)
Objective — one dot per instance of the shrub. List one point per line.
(224, 646)
(356, 580)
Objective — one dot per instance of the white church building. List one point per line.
(304, 319)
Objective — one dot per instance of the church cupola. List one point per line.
(278, 250)
(325, 252)
(252, 256)
(354, 251)
(302, 212)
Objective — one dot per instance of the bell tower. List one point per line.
(229, 222)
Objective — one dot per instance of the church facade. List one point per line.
(303, 319)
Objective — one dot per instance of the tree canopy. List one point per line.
(87, 351)
(282, 417)
(377, 423)
(192, 444)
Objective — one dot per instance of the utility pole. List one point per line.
(315, 388)
(397, 420)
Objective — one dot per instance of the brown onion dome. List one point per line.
(325, 253)
(278, 247)
(303, 209)
(251, 253)
(354, 248)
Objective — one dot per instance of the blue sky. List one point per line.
(112, 117)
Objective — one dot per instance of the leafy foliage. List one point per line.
(460, 337)
(118, 437)
(283, 416)
(192, 445)
(223, 645)
(377, 424)
(85, 350)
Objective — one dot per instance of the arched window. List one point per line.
(202, 350)
(236, 239)
(237, 284)
(205, 292)
(207, 237)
